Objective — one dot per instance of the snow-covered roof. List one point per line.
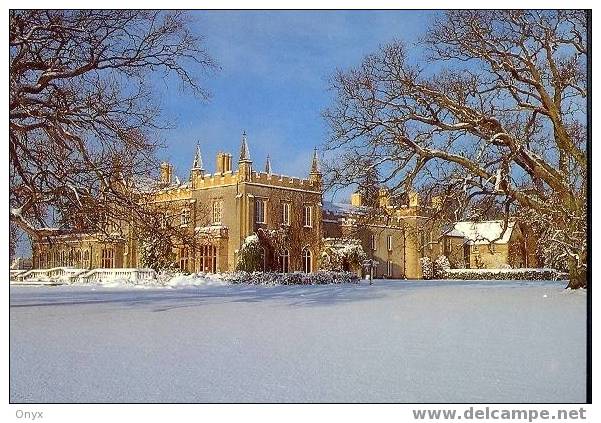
(147, 184)
(482, 232)
(341, 208)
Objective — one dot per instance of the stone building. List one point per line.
(214, 213)
(485, 244)
(395, 235)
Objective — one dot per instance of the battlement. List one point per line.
(283, 181)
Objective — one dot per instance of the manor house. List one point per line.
(219, 210)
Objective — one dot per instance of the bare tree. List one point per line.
(496, 108)
(82, 114)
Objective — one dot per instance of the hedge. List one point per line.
(504, 274)
(295, 278)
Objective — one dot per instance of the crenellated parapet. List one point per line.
(284, 181)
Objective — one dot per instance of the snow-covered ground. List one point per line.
(395, 341)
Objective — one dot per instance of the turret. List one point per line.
(315, 174)
(245, 163)
(197, 171)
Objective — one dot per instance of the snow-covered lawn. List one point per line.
(395, 341)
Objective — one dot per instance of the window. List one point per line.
(373, 242)
(217, 212)
(389, 242)
(389, 268)
(163, 221)
(308, 216)
(447, 246)
(185, 216)
(307, 264)
(108, 258)
(286, 214)
(86, 259)
(285, 261)
(474, 248)
(260, 206)
(207, 259)
(78, 258)
(183, 259)
(493, 248)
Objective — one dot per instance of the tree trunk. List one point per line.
(577, 277)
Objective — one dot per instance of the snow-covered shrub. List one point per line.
(505, 274)
(339, 254)
(427, 268)
(294, 278)
(251, 254)
(440, 266)
(156, 251)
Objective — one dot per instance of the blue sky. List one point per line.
(273, 81)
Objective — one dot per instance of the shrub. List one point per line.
(440, 266)
(427, 268)
(504, 274)
(250, 255)
(295, 278)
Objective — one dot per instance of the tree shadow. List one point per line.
(162, 299)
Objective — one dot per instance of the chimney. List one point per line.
(384, 197)
(413, 199)
(224, 163)
(166, 173)
(356, 199)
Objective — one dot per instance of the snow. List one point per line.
(395, 341)
(340, 209)
(483, 232)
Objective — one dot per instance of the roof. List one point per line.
(482, 232)
(341, 209)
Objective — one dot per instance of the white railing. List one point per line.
(71, 275)
(132, 275)
(55, 274)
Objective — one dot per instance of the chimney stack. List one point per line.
(166, 173)
(384, 197)
(356, 199)
(413, 199)
(224, 163)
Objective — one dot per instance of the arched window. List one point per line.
(183, 259)
(285, 261)
(307, 264)
(78, 258)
